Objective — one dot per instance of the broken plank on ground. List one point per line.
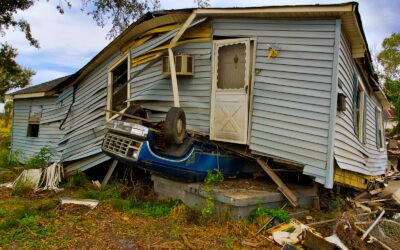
(282, 186)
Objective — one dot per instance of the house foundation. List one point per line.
(237, 198)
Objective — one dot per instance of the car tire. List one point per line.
(175, 126)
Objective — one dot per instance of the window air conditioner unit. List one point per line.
(184, 65)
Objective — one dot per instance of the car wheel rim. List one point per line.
(179, 126)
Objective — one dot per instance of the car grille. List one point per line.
(120, 145)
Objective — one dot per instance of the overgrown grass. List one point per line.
(3, 213)
(104, 193)
(23, 189)
(144, 208)
(113, 195)
(9, 165)
(76, 182)
(5, 132)
(9, 160)
(25, 223)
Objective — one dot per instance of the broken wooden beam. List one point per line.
(282, 186)
(376, 191)
(109, 173)
(372, 225)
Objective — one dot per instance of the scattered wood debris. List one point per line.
(315, 241)
(373, 225)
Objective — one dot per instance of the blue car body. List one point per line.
(137, 145)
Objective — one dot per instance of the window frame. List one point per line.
(381, 136)
(33, 122)
(360, 122)
(113, 65)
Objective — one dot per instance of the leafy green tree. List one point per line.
(8, 9)
(12, 75)
(389, 59)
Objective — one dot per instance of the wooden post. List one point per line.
(282, 186)
(171, 59)
(109, 172)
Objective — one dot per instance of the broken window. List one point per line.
(118, 86)
(35, 114)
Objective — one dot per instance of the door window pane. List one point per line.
(231, 66)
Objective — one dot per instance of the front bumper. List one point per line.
(122, 146)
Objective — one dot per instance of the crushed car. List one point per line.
(165, 147)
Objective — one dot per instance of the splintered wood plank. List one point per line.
(282, 186)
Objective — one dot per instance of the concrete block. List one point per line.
(238, 202)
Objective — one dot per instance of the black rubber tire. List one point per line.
(175, 126)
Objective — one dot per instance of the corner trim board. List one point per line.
(332, 114)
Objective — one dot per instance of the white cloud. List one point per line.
(46, 75)
(69, 41)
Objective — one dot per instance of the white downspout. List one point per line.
(174, 79)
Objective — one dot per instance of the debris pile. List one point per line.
(39, 179)
(369, 220)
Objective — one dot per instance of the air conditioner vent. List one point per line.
(184, 65)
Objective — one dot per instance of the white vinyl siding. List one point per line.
(350, 152)
(291, 97)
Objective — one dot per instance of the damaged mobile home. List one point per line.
(290, 83)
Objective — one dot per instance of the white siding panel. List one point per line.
(350, 153)
(49, 133)
(291, 97)
(153, 90)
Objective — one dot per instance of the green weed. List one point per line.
(228, 243)
(213, 178)
(210, 181)
(280, 214)
(335, 205)
(41, 159)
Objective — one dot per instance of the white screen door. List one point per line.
(230, 90)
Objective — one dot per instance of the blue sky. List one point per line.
(69, 41)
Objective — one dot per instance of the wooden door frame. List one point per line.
(250, 80)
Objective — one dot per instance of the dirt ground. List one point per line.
(104, 227)
(139, 221)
